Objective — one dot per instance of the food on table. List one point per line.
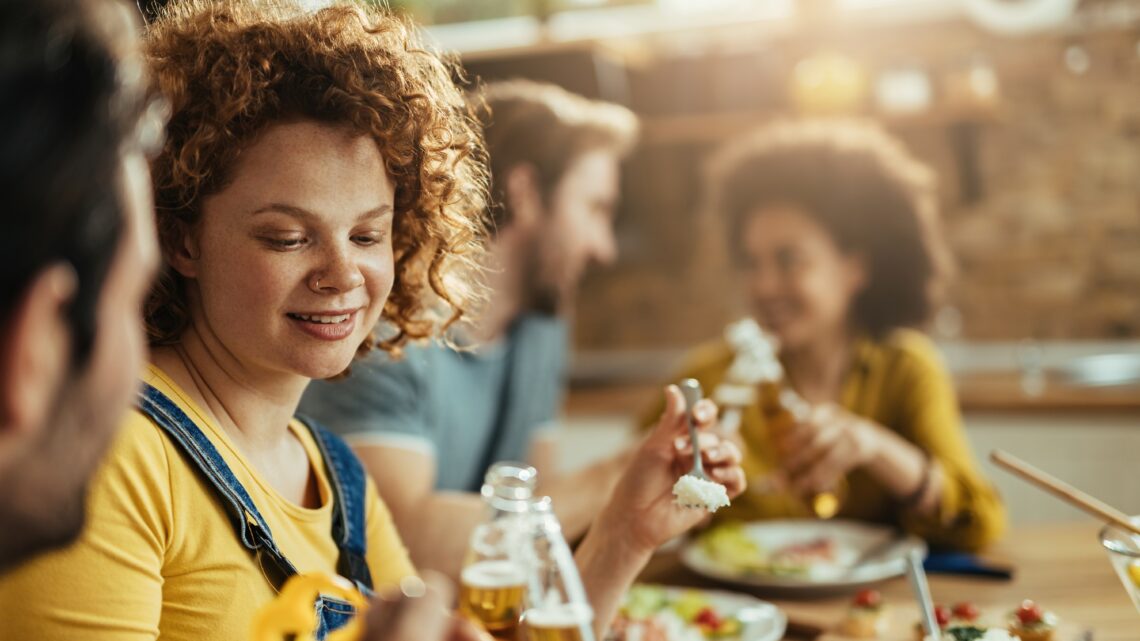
(865, 618)
(1030, 622)
(693, 491)
(799, 558)
(975, 633)
(731, 545)
(965, 612)
(650, 614)
(942, 615)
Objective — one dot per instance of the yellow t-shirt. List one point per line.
(900, 383)
(159, 556)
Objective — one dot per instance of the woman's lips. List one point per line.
(326, 326)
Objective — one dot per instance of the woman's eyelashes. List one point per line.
(369, 238)
(284, 242)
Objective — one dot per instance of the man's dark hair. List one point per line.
(69, 99)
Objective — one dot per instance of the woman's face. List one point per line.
(799, 284)
(291, 263)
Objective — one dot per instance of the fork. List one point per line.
(691, 390)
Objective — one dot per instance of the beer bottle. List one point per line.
(556, 605)
(494, 573)
(782, 408)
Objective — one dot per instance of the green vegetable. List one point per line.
(966, 633)
(643, 601)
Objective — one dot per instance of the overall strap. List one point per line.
(348, 481)
(247, 521)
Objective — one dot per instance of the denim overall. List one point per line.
(346, 478)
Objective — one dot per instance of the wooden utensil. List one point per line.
(1064, 491)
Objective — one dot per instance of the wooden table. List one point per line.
(1061, 566)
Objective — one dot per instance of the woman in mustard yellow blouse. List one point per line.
(832, 228)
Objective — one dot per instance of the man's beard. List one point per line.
(542, 293)
(44, 491)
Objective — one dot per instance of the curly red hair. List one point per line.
(230, 69)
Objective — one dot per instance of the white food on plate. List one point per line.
(690, 491)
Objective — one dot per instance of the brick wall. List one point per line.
(1049, 248)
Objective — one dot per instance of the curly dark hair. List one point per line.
(864, 188)
(231, 68)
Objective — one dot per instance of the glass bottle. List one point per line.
(556, 605)
(494, 575)
(782, 408)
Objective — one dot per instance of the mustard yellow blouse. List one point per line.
(901, 384)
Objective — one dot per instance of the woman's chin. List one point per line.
(324, 366)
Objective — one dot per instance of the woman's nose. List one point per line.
(338, 273)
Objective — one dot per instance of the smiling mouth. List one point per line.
(321, 319)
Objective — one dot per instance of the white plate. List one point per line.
(851, 540)
(761, 621)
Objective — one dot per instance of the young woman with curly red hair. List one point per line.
(321, 174)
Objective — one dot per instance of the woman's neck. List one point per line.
(817, 369)
(253, 408)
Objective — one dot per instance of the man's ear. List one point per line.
(523, 195)
(35, 351)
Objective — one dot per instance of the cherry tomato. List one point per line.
(942, 615)
(708, 617)
(1029, 612)
(966, 611)
(868, 599)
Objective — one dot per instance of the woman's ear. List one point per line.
(184, 253)
(523, 195)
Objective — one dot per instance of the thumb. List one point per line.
(673, 415)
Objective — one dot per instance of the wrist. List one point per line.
(603, 559)
(874, 444)
(617, 532)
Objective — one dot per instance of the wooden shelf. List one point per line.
(717, 127)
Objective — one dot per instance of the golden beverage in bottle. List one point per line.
(491, 594)
(564, 622)
(781, 408)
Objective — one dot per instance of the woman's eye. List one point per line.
(284, 243)
(370, 238)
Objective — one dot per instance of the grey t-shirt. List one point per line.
(468, 408)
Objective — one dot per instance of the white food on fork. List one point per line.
(695, 489)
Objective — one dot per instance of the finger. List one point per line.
(823, 475)
(704, 413)
(721, 454)
(732, 478)
(823, 442)
(796, 438)
(462, 629)
(673, 417)
(706, 440)
(418, 612)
